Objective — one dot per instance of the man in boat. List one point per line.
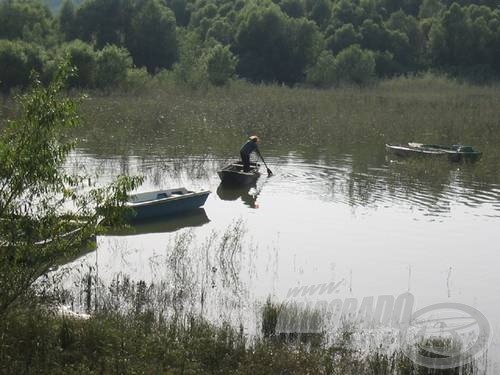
(249, 147)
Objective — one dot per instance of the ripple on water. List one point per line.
(337, 179)
(375, 187)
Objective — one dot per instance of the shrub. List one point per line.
(112, 65)
(323, 73)
(354, 65)
(83, 57)
(220, 64)
(17, 60)
(136, 79)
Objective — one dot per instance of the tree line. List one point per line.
(319, 42)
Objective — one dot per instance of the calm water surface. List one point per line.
(376, 225)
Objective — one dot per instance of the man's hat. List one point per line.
(253, 138)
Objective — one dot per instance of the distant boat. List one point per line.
(68, 227)
(67, 237)
(455, 153)
(234, 175)
(161, 203)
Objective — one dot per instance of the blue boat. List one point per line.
(162, 203)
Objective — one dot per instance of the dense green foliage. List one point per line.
(271, 41)
(112, 65)
(17, 61)
(44, 214)
(153, 40)
(220, 65)
(352, 65)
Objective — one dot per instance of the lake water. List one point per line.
(371, 223)
(337, 209)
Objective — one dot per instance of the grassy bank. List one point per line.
(37, 341)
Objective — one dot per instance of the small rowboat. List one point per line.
(455, 153)
(163, 203)
(67, 230)
(234, 175)
(69, 234)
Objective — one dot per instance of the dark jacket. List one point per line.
(249, 147)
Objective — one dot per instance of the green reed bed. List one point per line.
(427, 109)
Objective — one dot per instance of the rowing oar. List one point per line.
(269, 172)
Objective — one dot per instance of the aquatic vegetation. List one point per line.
(171, 121)
(139, 341)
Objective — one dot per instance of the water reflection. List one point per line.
(186, 276)
(247, 194)
(190, 219)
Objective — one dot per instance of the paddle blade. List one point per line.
(269, 172)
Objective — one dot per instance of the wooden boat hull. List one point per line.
(164, 203)
(454, 153)
(234, 175)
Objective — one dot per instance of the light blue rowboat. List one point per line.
(161, 203)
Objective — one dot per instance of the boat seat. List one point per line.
(179, 192)
(161, 196)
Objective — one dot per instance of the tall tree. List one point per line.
(67, 20)
(112, 63)
(430, 8)
(153, 38)
(456, 31)
(347, 11)
(274, 47)
(355, 65)
(17, 60)
(36, 228)
(83, 57)
(322, 73)
(414, 48)
(293, 8)
(182, 11)
(221, 64)
(321, 12)
(104, 21)
(28, 20)
(343, 37)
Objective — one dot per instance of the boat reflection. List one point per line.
(247, 194)
(192, 218)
